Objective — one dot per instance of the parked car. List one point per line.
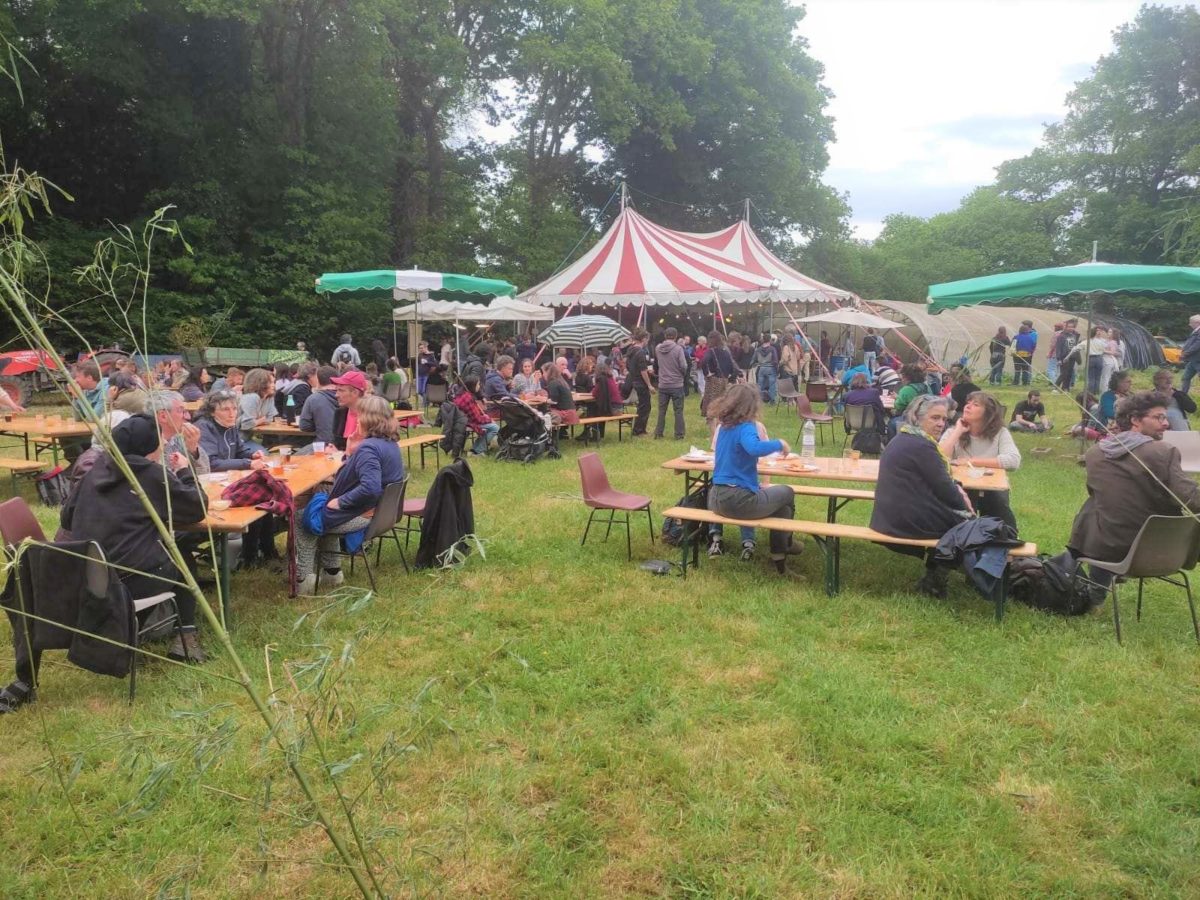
(1170, 349)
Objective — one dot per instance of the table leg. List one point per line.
(223, 578)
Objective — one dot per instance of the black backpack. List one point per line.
(673, 529)
(867, 441)
(1047, 583)
(346, 357)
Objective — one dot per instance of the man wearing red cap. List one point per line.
(351, 387)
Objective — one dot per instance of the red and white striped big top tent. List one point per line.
(639, 263)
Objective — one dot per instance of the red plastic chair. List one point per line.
(599, 495)
(17, 522)
(804, 408)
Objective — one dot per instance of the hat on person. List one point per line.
(346, 338)
(354, 379)
(136, 436)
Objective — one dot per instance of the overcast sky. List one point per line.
(931, 95)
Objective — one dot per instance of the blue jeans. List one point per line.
(997, 374)
(766, 383)
(1189, 372)
(1052, 369)
(869, 360)
(490, 430)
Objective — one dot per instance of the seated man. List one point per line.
(495, 383)
(320, 409)
(1131, 475)
(1029, 415)
(94, 388)
(478, 421)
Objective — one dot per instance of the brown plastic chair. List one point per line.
(599, 495)
(383, 525)
(17, 522)
(1163, 548)
(816, 392)
(413, 509)
(804, 408)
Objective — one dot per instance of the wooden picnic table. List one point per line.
(833, 469)
(301, 473)
(46, 432)
(280, 428)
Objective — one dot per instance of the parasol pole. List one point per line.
(921, 354)
(542, 348)
(816, 351)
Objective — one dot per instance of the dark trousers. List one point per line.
(673, 396)
(776, 500)
(643, 408)
(144, 586)
(1022, 369)
(1066, 373)
(995, 504)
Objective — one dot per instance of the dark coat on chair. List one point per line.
(454, 429)
(449, 514)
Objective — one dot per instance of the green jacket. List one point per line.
(907, 395)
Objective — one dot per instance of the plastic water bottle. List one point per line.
(808, 442)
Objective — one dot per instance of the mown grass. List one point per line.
(578, 727)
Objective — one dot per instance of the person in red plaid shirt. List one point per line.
(469, 401)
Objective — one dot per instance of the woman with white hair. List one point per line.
(917, 496)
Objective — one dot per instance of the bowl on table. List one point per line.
(219, 505)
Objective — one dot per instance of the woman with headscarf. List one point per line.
(103, 508)
(916, 495)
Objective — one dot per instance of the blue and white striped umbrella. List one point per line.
(584, 332)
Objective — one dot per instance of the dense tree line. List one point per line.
(300, 136)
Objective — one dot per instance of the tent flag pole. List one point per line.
(721, 313)
(921, 354)
(817, 352)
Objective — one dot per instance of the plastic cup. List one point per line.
(318, 446)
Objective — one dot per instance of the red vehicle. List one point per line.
(22, 372)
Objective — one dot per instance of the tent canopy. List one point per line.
(414, 284)
(1086, 278)
(637, 262)
(854, 318)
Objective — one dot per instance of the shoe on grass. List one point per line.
(15, 696)
(716, 548)
(748, 548)
(186, 647)
(333, 579)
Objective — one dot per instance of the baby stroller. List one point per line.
(525, 435)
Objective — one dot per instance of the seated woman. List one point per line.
(585, 374)
(470, 401)
(735, 490)
(257, 405)
(1119, 386)
(375, 463)
(125, 395)
(558, 392)
(196, 384)
(916, 495)
(979, 438)
(528, 380)
(103, 508)
(862, 394)
(606, 396)
(913, 385)
(228, 451)
(1179, 404)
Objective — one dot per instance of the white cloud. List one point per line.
(932, 95)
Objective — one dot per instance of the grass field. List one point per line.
(568, 725)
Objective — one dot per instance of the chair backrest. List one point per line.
(388, 510)
(391, 391)
(785, 390)
(98, 572)
(17, 522)
(817, 392)
(406, 390)
(435, 393)
(859, 417)
(1164, 546)
(804, 406)
(592, 476)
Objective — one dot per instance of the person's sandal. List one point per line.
(15, 696)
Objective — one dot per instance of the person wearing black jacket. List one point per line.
(916, 495)
(102, 508)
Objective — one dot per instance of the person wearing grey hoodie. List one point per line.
(1131, 476)
(670, 362)
(320, 409)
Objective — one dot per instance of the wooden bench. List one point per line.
(17, 467)
(837, 496)
(622, 419)
(422, 441)
(828, 536)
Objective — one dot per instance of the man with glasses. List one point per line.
(1131, 475)
(179, 436)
